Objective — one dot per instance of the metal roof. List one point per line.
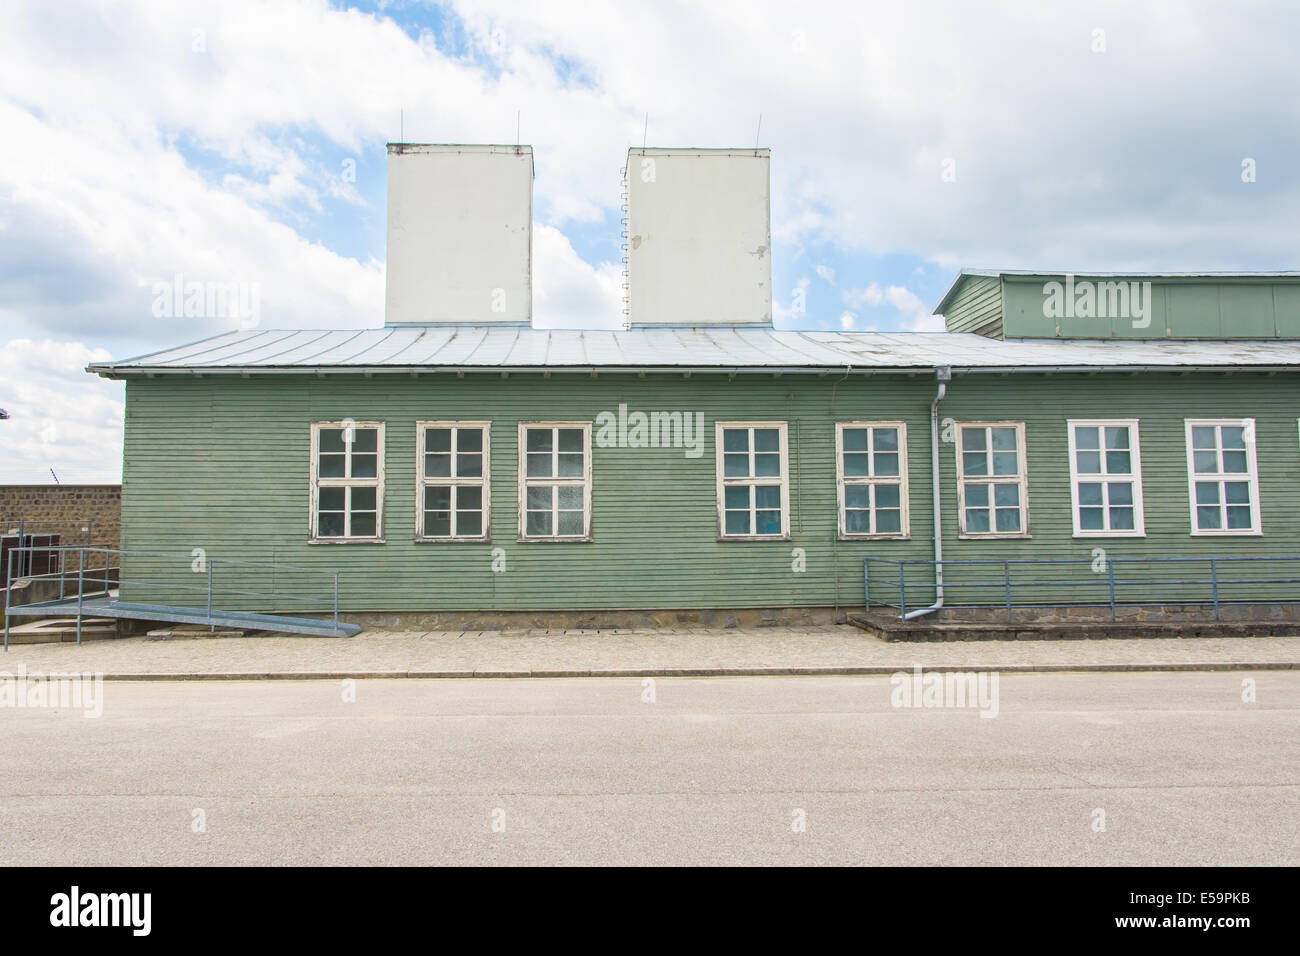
(492, 349)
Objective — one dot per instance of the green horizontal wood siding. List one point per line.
(222, 463)
(976, 306)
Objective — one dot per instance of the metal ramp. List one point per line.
(93, 595)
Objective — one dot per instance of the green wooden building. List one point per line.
(485, 466)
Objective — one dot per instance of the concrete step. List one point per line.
(62, 630)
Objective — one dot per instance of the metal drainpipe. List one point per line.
(944, 375)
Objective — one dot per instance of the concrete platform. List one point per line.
(886, 626)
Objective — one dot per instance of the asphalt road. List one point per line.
(1177, 768)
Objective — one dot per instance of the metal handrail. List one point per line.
(894, 581)
(208, 589)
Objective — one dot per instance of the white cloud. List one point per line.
(569, 292)
(826, 272)
(60, 417)
(912, 311)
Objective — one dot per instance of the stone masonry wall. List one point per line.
(64, 510)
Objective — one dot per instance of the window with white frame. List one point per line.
(1222, 479)
(1106, 478)
(992, 484)
(452, 485)
(347, 481)
(753, 480)
(555, 481)
(872, 460)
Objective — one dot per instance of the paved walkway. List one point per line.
(836, 649)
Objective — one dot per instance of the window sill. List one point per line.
(346, 541)
(966, 536)
(458, 540)
(755, 537)
(874, 537)
(1110, 534)
(1227, 534)
(571, 539)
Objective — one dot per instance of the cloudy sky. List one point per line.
(232, 141)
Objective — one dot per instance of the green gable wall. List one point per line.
(976, 306)
(221, 463)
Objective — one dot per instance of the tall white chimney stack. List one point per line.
(460, 235)
(699, 237)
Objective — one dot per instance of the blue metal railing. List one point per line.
(103, 582)
(1113, 583)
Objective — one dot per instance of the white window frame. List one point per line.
(316, 482)
(843, 480)
(724, 482)
(1021, 480)
(1251, 476)
(1134, 478)
(422, 481)
(526, 482)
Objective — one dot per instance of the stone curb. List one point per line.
(873, 670)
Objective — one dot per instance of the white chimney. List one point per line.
(460, 235)
(699, 237)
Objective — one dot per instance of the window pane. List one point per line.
(365, 466)
(329, 524)
(886, 439)
(331, 466)
(1117, 438)
(767, 466)
(570, 522)
(1008, 519)
(539, 465)
(975, 463)
(1234, 462)
(737, 496)
(437, 524)
(855, 465)
(767, 439)
(1120, 493)
(1005, 463)
(857, 496)
(469, 466)
(977, 496)
(331, 440)
(735, 439)
(364, 440)
(889, 521)
(735, 466)
(1233, 436)
(571, 439)
(1236, 492)
(1207, 519)
(886, 463)
(1238, 516)
(1207, 492)
(363, 499)
(737, 522)
(539, 498)
(973, 439)
(538, 439)
(570, 498)
(1088, 462)
(437, 439)
(1121, 519)
(767, 496)
(1091, 519)
(1205, 462)
(1203, 436)
(437, 466)
(469, 523)
(437, 498)
(1085, 437)
(570, 465)
(977, 520)
(857, 522)
(855, 439)
(363, 524)
(1089, 493)
(468, 497)
(768, 522)
(1119, 463)
(538, 523)
(1004, 439)
(887, 496)
(331, 499)
(469, 439)
(1006, 496)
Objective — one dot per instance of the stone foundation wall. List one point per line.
(597, 620)
(65, 510)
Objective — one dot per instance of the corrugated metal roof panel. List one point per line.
(474, 347)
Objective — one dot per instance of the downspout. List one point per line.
(944, 375)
